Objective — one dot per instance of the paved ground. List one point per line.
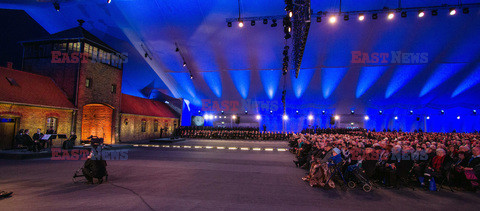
(201, 179)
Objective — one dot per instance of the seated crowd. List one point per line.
(390, 159)
(248, 133)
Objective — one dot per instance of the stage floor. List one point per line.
(205, 179)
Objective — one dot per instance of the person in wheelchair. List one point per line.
(95, 166)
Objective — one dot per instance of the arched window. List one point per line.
(52, 124)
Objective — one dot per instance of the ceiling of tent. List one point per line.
(245, 63)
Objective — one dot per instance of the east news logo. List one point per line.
(394, 57)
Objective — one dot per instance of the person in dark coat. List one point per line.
(95, 166)
(19, 138)
(28, 141)
(37, 139)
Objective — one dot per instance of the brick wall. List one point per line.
(102, 78)
(133, 130)
(33, 117)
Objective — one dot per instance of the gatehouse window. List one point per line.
(155, 126)
(88, 83)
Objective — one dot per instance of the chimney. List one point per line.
(10, 65)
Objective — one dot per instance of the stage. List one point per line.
(203, 178)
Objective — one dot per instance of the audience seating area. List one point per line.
(361, 158)
(246, 133)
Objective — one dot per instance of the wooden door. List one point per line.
(7, 133)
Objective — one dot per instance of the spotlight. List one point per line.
(411, 112)
(310, 117)
(240, 24)
(442, 112)
(337, 117)
(319, 19)
(474, 112)
(352, 112)
(346, 17)
(366, 117)
(380, 112)
(184, 63)
(323, 112)
(274, 24)
(296, 111)
(421, 13)
(391, 15)
(234, 117)
(246, 112)
(216, 117)
(428, 117)
(374, 16)
(271, 112)
(332, 19)
(453, 11)
(290, 14)
(229, 24)
(466, 10)
(109, 1)
(404, 14)
(458, 117)
(252, 23)
(258, 117)
(361, 17)
(285, 117)
(265, 21)
(434, 12)
(191, 76)
(222, 112)
(396, 117)
(56, 5)
(199, 111)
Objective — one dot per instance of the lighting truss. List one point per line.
(301, 26)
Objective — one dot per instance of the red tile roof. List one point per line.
(142, 106)
(31, 89)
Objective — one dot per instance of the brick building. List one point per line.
(88, 74)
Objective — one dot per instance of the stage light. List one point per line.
(396, 117)
(216, 117)
(352, 112)
(222, 112)
(184, 63)
(361, 17)
(252, 23)
(229, 24)
(285, 117)
(258, 117)
(265, 21)
(453, 11)
(434, 12)
(323, 112)
(319, 19)
(56, 5)
(199, 111)
(234, 117)
(332, 19)
(458, 117)
(346, 17)
(271, 112)
(240, 24)
(191, 76)
(310, 117)
(374, 16)
(428, 117)
(391, 15)
(246, 112)
(337, 117)
(290, 14)
(296, 111)
(380, 112)
(442, 112)
(474, 112)
(109, 1)
(366, 117)
(404, 14)
(411, 112)
(421, 13)
(466, 10)
(274, 24)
